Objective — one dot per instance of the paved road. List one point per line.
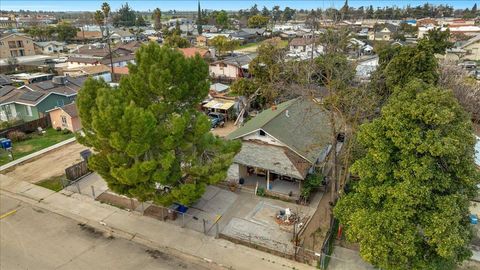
(33, 238)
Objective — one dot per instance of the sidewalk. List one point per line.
(144, 230)
(35, 154)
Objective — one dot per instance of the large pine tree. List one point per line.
(410, 208)
(148, 130)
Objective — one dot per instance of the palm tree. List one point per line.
(157, 17)
(98, 17)
(106, 10)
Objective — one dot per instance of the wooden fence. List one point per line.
(77, 170)
(27, 127)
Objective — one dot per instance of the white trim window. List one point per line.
(64, 121)
(29, 111)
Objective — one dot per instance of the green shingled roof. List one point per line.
(305, 129)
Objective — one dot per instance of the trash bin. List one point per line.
(6, 143)
(473, 219)
(85, 154)
(172, 214)
(182, 208)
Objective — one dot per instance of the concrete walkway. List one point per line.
(144, 230)
(36, 154)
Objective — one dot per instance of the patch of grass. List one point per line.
(34, 144)
(54, 183)
(248, 45)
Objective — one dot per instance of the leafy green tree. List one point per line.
(257, 21)
(148, 130)
(288, 14)
(409, 210)
(125, 17)
(176, 41)
(199, 20)
(98, 17)
(276, 13)
(222, 44)
(438, 40)
(411, 62)
(140, 21)
(221, 19)
(243, 87)
(66, 31)
(265, 12)
(157, 19)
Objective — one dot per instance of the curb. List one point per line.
(115, 232)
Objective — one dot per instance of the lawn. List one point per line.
(54, 183)
(248, 45)
(34, 144)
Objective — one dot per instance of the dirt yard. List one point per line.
(50, 164)
(224, 131)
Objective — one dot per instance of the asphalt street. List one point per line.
(34, 238)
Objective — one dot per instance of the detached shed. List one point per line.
(222, 106)
(219, 87)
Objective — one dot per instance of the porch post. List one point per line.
(268, 180)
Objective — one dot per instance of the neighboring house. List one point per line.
(191, 52)
(232, 67)
(28, 78)
(120, 61)
(75, 62)
(96, 72)
(101, 50)
(384, 34)
(65, 117)
(30, 102)
(15, 45)
(181, 21)
(298, 45)
(472, 48)
(49, 47)
(124, 36)
(88, 36)
(248, 35)
(5, 80)
(281, 146)
(218, 88)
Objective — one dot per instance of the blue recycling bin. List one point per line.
(181, 208)
(473, 219)
(6, 143)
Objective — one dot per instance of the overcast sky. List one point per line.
(142, 5)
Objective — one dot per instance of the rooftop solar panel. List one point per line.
(46, 85)
(31, 96)
(5, 90)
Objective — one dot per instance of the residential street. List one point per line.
(34, 238)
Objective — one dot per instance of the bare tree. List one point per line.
(465, 89)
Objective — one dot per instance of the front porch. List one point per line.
(273, 184)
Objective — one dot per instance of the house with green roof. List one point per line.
(281, 146)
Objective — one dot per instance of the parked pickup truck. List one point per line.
(217, 119)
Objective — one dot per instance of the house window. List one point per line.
(60, 103)
(261, 133)
(19, 43)
(64, 121)
(29, 111)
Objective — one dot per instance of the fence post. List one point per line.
(204, 227)
(93, 191)
(216, 230)
(132, 205)
(183, 220)
(163, 210)
(78, 187)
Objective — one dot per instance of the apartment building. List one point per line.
(16, 45)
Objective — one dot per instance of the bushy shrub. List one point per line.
(66, 131)
(17, 136)
(58, 129)
(261, 191)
